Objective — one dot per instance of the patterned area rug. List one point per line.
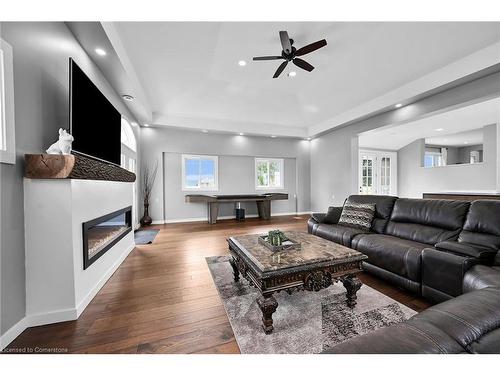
(305, 322)
(145, 236)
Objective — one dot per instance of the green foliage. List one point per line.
(276, 237)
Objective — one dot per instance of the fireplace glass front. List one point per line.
(102, 233)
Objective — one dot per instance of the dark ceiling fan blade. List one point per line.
(310, 47)
(303, 64)
(280, 69)
(261, 58)
(285, 42)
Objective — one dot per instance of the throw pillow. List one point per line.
(357, 215)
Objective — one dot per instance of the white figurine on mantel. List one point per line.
(63, 145)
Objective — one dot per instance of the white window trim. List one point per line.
(7, 124)
(282, 175)
(216, 172)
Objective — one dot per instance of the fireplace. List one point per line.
(102, 233)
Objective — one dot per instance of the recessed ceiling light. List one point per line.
(242, 63)
(133, 123)
(398, 105)
(146, 125)
(292, 74)
(127, 97)
(439, 129)
(205, 131)
(308, 138)
(100, 52)
(273, 136)
(242, 133)
(466, 143)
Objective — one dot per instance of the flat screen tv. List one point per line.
(95, 124)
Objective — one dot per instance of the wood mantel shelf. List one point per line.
(45, 166)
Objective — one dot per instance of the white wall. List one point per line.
(167, 200)
(414, 179)
(41, 87)
(334, 160)
(236, 176)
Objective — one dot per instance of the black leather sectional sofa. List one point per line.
(439, 249)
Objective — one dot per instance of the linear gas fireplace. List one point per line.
(102, 233)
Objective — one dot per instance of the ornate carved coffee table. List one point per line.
(317, 265)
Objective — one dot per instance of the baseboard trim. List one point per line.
(97, 287)
(61, 315)
(195, 219)
(13, 332)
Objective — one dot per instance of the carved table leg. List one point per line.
(352, 285)
(236, 272)
(268, 306)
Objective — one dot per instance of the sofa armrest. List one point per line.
(444, 271)
(467, 249)
(318, 217)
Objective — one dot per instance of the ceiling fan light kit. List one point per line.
(290, 53)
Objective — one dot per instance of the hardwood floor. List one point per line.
(162, 298)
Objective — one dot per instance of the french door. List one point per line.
(377, 172)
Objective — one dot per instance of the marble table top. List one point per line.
(313, 250)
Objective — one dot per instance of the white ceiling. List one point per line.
(447, 129)
(470, 137)
(187, 73)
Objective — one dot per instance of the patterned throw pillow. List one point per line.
(357, 215)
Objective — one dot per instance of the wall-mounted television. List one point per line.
(95, 123)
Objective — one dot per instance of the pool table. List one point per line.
(263, 202)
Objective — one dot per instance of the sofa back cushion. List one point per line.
(482, 225)
(427, 220)
(383, 209)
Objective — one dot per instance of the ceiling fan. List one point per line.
(290, 53)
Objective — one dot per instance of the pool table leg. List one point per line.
(213, 211)
(264, 209)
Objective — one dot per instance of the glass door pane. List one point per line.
(367, 175)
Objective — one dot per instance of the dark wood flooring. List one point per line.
(162, 298)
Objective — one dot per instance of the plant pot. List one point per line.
(146, 219)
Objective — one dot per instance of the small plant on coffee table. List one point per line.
(276, 237)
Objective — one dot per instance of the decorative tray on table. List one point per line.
(277, 241)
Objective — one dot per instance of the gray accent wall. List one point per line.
(41, 84)
(236, 169)
(414, 179)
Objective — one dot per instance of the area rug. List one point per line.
(305, 322)
(144, 237)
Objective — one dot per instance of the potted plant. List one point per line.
(148, 179)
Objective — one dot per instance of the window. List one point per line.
(199, 173)
(123, 161)
(7, 129)
(433, 159)
(128, 137)
(269, 174)
(131, 165)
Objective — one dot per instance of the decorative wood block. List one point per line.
(45, 166)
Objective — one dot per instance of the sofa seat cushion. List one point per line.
(338, 233)
(397, 255)
(479, 277)
(465, 318)
(487, 344)
(403, 338)
(469, 323)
